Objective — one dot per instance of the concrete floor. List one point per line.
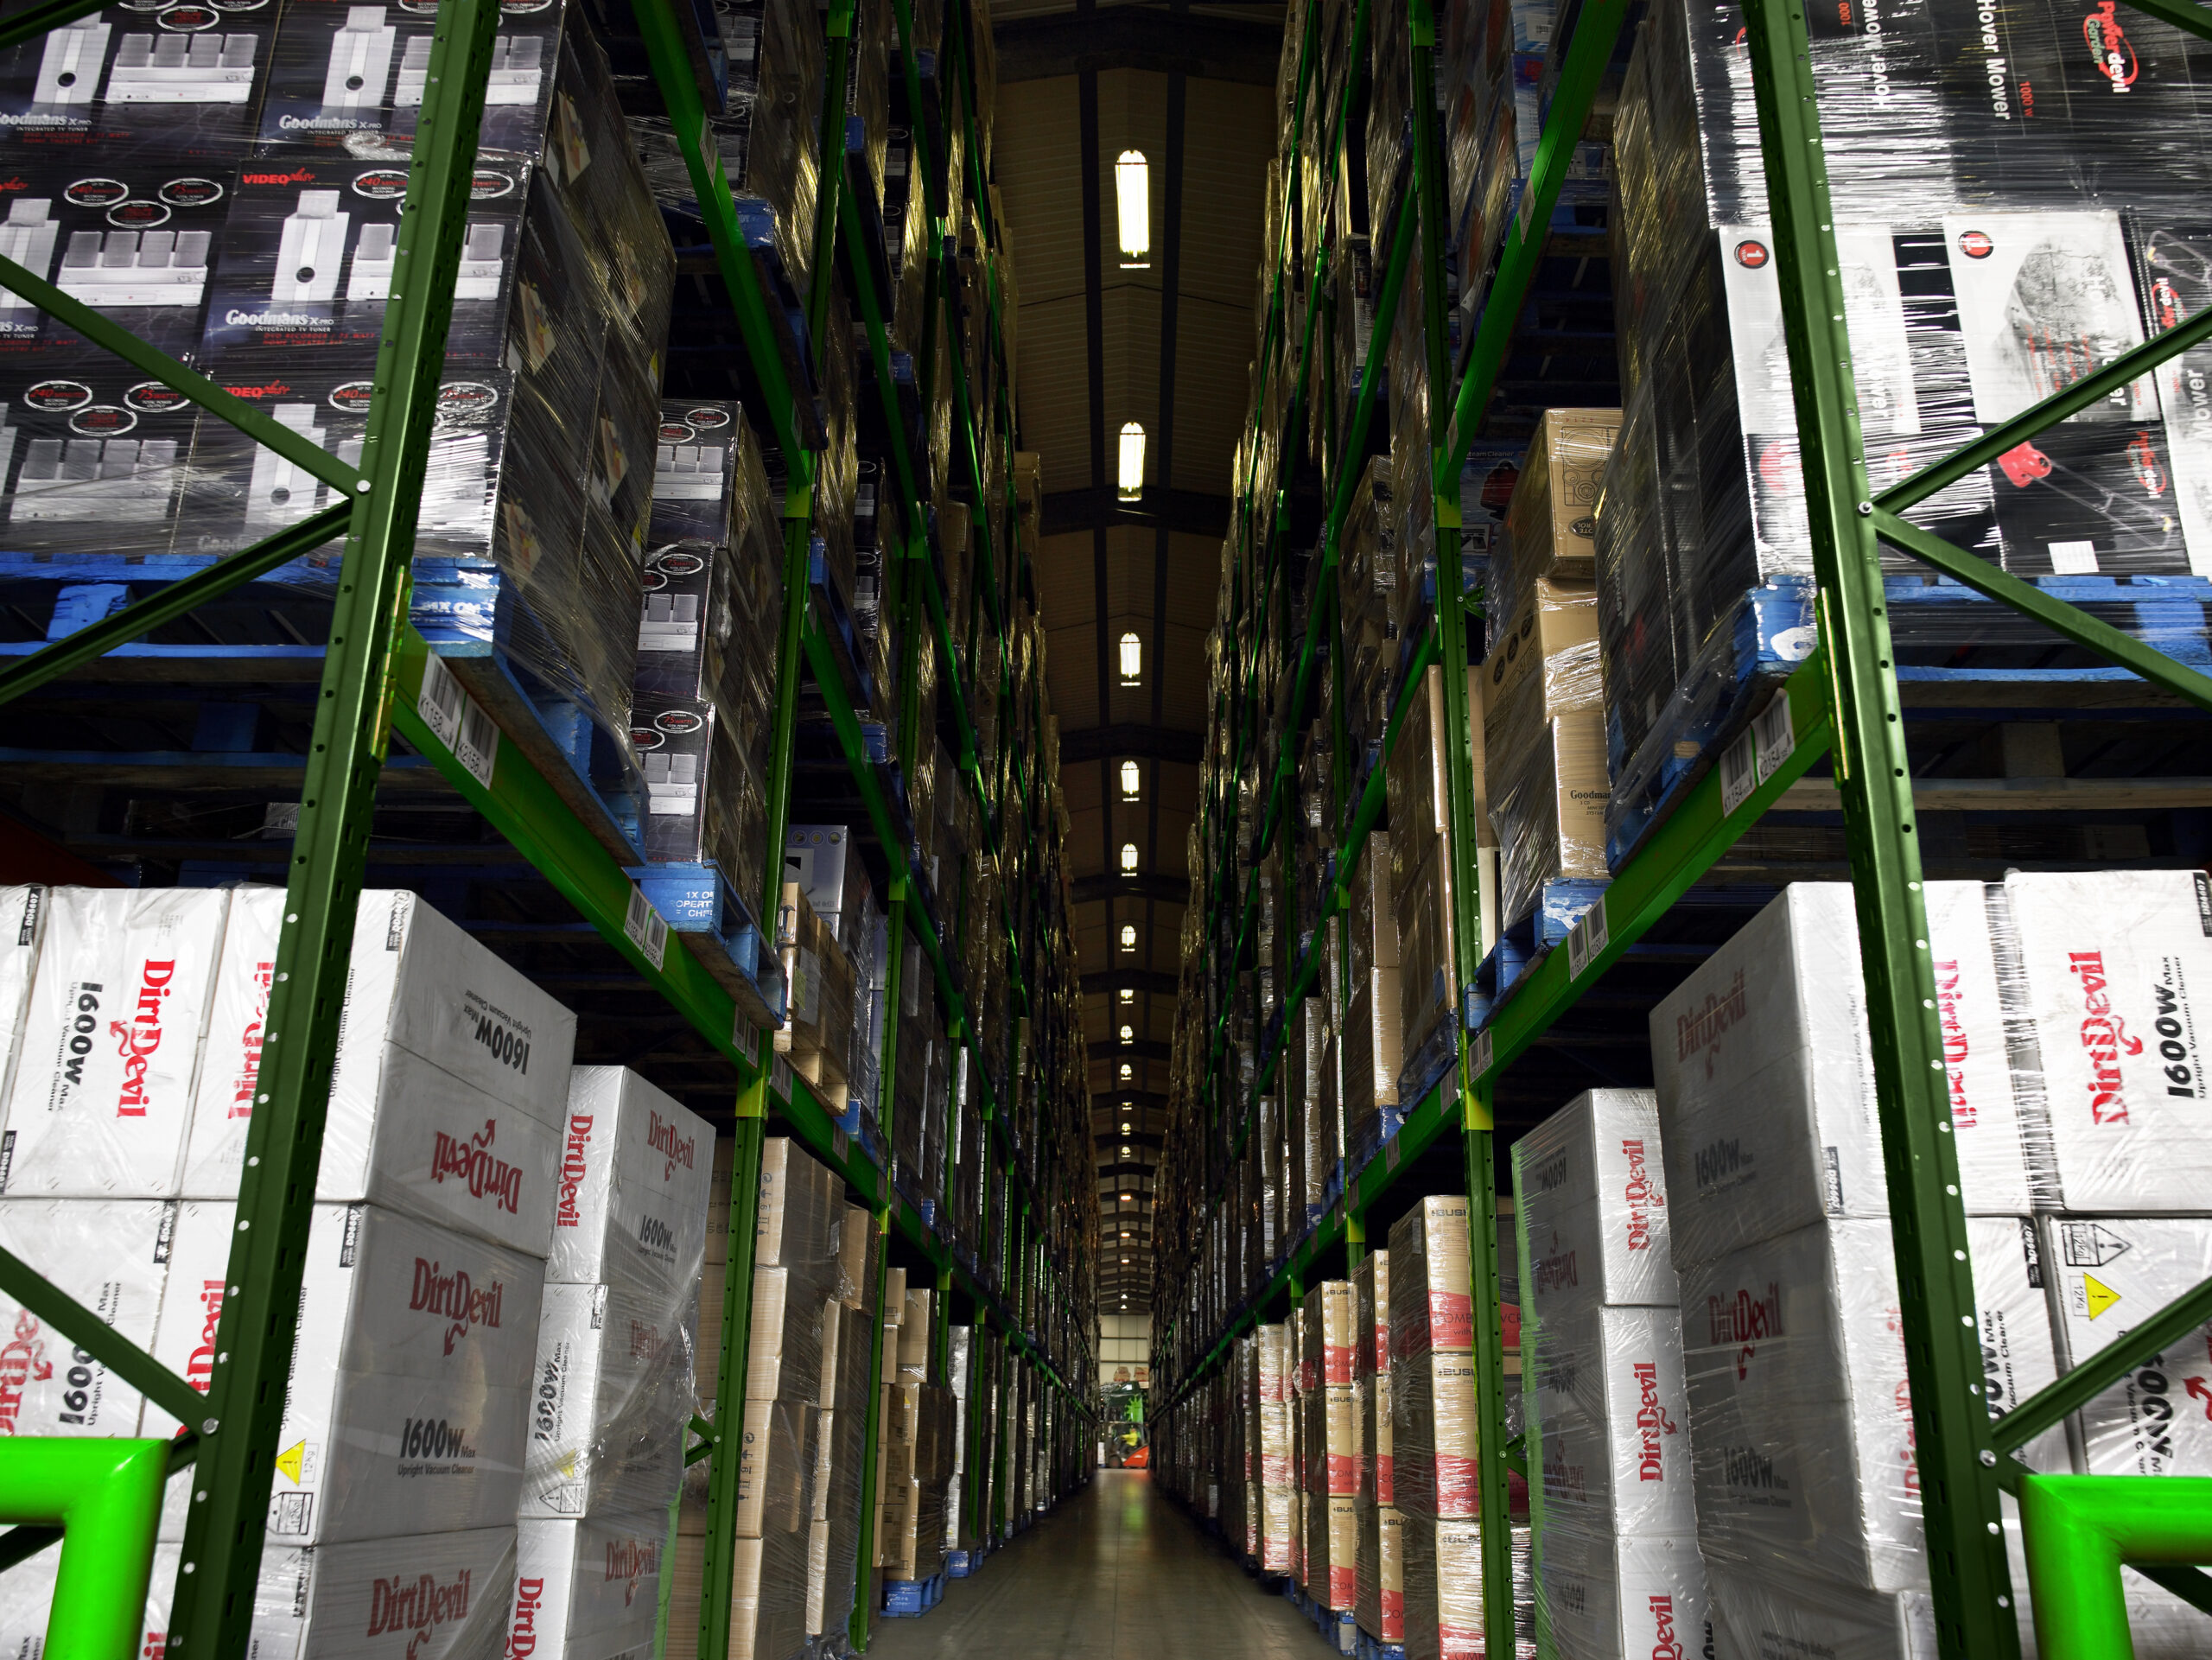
(1115, 1573)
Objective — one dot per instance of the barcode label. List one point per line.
(1483, 1050)
(1586, 940)
(780, 1078)
(646, 927)
(1739, 772)
(1775, 736)
(460, 721)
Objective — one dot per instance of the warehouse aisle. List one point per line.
(1115, 1573)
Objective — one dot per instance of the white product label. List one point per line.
(780, 1078)
(2074, 558)
(460, 721)
(1739, 772)
(1775, 735)
(646, 928)
(1586, 939)
(1482, 1052)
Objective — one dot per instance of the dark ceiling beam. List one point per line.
(1142, 1049)
(1172, 890)
(1151, 980)
(1135, 1138)
(1194, 512)
(1127, 741)
(1115, 1172)
(1138, 37)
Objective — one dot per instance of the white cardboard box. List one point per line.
(416, 987)
(586, 1590)
(1622, 1598)
(23, 922)
(633, 1170)
(1800, 1423)
(420, 1596)
(2114, 981)
(111, 1255)
(1775, 1611)
(614, 1391)
(1615, 1418)
(102, 1097)
(1764, 1074)
(411, 1387)
(2107, 1276)
(1593, 1189)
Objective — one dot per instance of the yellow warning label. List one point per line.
(291, 1460)
(2101, 1295)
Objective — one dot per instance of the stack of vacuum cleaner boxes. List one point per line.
(1433, 1428)
(1332, 1451)
(613, 1384)
(425, 1254)
(2075, 1171)
(706, 643)
(841, 1431)
(1381, 1587)
(1616, 1566)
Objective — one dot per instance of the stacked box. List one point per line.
(1277, 1460)
(1543, 745)
(1371, 1050)
(1379, 1578)
(1615, 1541)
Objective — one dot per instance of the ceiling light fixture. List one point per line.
(1130, 780)
(1129, 858)
(1128, 936)
(1133, 209)
(1131, 473)
(1125, 1126)
(1133, 649)
(1128, 996)
(1128, 1034)
(1127, 1071)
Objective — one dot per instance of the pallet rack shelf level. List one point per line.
(1847, 687)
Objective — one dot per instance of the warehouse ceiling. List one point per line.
(1167, 346)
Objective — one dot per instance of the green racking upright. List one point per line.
(373, 684)
(1842, 699)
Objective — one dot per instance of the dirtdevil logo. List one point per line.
(1557, 1271)
(1745, 1319)
(629, 1561)
(576, 1165)
(457, 1297)
(242, 1088)
(1954, 1042)
(644, 1340)
(22, 1363)
(137, 1038)
(1703, 1026)
(1642, 1193)
(661, 1137)
(472, 1163)
(1651, 1423)
(2104, 1039)
(522, 1635)
(200, 1368)
(1665, 1645)
(418, 1606)
(2109, 47)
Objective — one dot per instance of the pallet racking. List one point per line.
(376, 679)
(1841, 701)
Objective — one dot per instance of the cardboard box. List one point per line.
(1799, 1420)
(612, 1395)
(113, 1257)
(1381, 1573)
(1594, 1190)
(631, 1195)
(102, 1098)
(1434, 1436)
(2113, 977)
(415, 1596)
(1764, 1074)
(1618, 1595)
(1784, 1611)
(411, 1388)
(586, 1590)
(1552, 517)
(22, 925)
(1614, 1420)
(1431, 1297)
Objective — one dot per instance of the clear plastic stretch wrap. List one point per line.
(798, 1273)
(1550, 529)
(1592, 1191)
(1544, 745)
(410, 1406)
(614, 1388)
(1608, 1399)
(635, 1169)
(587, 1589)
(1801, 1425)
(1370, 1044)
(1434, 1434)
(23, 925)
(113, 1256)
(1610, 1598)
(1431, 1299)
(1443, 1568)
(1765, 1077)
